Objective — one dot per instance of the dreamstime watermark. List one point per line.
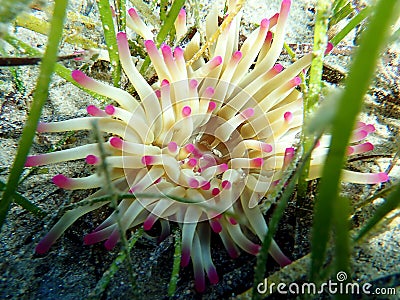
(338, 286)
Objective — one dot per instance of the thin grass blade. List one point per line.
(355, 21)
(350, 104)
(111, 41)
(176, 264)
(342, 241)
(392, 202)
(112, 270)
(314, 90)
(39, 98)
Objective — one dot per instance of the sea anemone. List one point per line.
(218, 130)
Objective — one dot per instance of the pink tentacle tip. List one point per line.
(233, 253)
(193, 84)
(150, 45)
(216, 61)
(42, 247)
(109, 245)
(382, 177)
(149, 222)
(62, 181)
(329, 48)
(296, 81)
(367, 147)
(32, 161)
(133, 13)
(192, 162)
(189, 148)
(92, 110)
(212, 275)
(268, 38)
(289, 151)
(92, 238)
(186, 111)
(247, 113)
(158, 93)
(164, 82)
(274, 19)
(264, 24)
(112, 240)
(360, 135)
(237, 56)
(182, 13)
(361, 148)
(178, 52)
(350, 150)
(166, 50)
(147, 160)
(91, 159)
(211, 106)
(121, 36)
(223, 167)
(172, 147)
(232, 221)
(360, 124)
(209, 92)
(284, 261)
(41, 127)
(266, 148)
(206, 186)
(215, 191)
(185, 256)
(255, 249)
(78, 76)
(87, 239)
(277, 68)
(285, 6)
(257, 162)
(288, 116)
(215, 226)
(116, 142)
(109, 109)
(199, 283)
(226, 185)
(193, 183)
(369, 128)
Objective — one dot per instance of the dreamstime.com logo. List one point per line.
(331, 287)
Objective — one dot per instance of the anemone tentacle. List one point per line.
(219, 132)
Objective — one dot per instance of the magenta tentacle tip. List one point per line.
(121, 36)
(237, 55)
(116, 142)
(264, 24)
(329, 48)
(382, 177)
(61, 181)
(42, 247)
(78, 76)
(148, 160)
